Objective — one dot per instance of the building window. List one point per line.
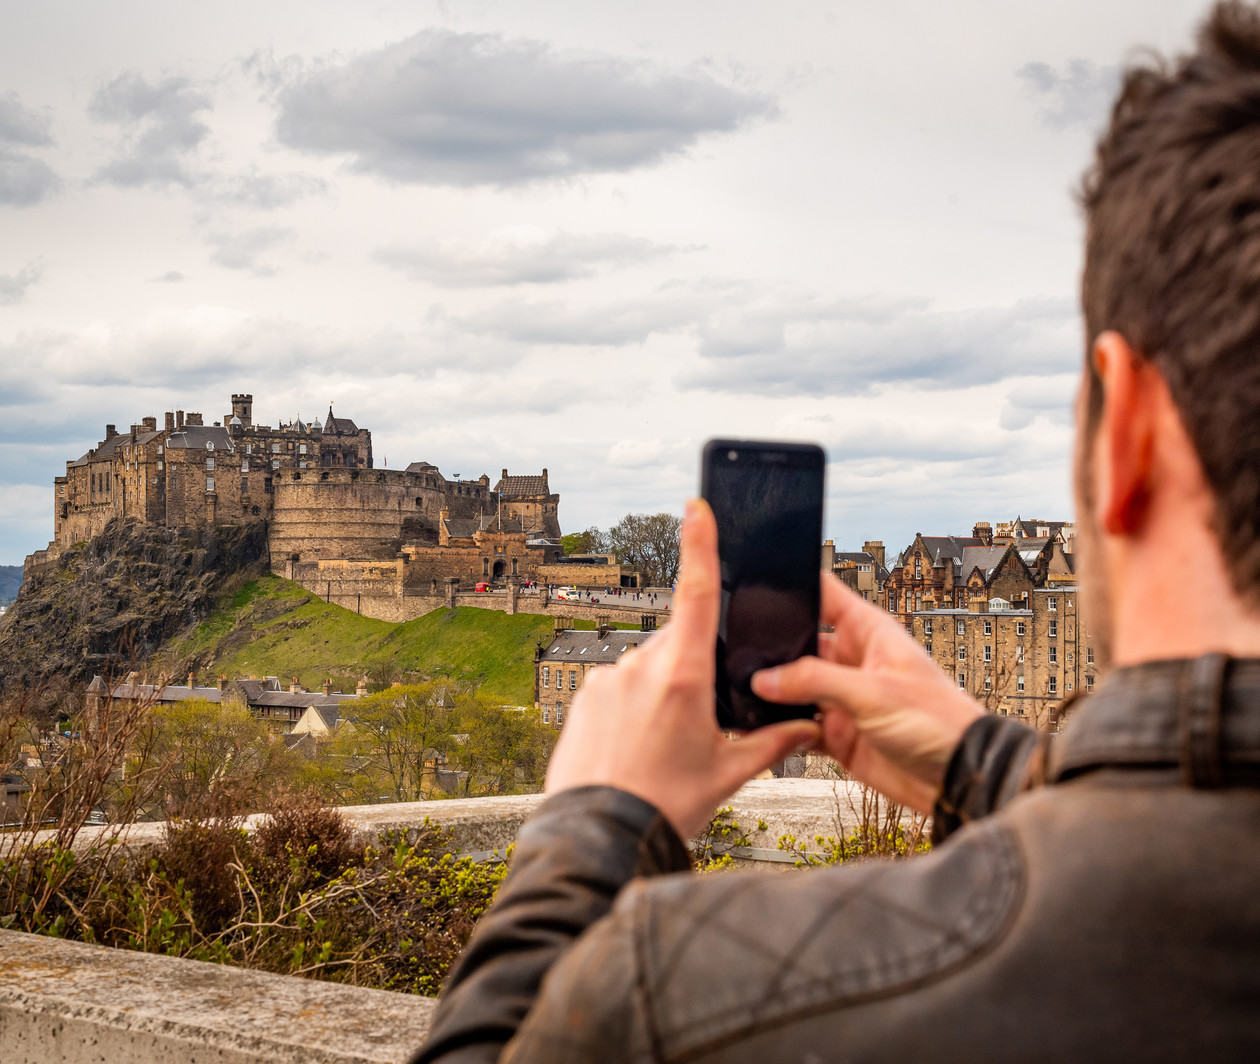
(988, 627)
(909, 602)
(1089, 655)
(1019, 654)
(1054, 629)
(1054, 655)
(1068, 687)
(988, 653)
(1019, 627)
(1054, 685)
(301, 448)
(209, 484)
(559, 714)
(209, 445)
(209, 465)
(267, 486)
(275, 448)
(962, 653)
(275, 463)
(962, 679)
(927, 626)
(160, 466)
(249, 448)
(245, 466)
(244, 485)
(928, 646)
(1052, 603)
(1019, 683)
(1089, 682)
(159, 451)
(573, 679)
(546, 715)
(918, 565)
(485, 566)
(514, 567)
(546, 675)
(988, 682)
(961, 628)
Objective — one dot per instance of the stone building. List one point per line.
(1016, 660)
(267, 699)
(931, 574)
(332, 517)
(561, 667)
(863, 570)
(590, 572)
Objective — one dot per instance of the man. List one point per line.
(1094, 896)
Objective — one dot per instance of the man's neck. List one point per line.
(1176, 601)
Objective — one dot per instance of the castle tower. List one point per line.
(243, 407)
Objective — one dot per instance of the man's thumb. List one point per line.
(760, 749)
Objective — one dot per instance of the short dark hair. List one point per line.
(1172, 256)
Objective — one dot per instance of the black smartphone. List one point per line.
(768, 500)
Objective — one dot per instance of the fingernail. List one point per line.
(692, 510)
(766, 682)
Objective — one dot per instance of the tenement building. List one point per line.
(1018, 660)
(561, 667)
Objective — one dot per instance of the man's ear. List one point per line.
(1125, 441)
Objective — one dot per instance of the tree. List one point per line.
(649, 542)
(504, 751)
(398, 736)
(592, 541)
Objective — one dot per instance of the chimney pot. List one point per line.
(179, 419)
(111, 431)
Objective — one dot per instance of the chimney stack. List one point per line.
(111, 431)
(179, 419)
(222, 682)
(327, 687)
(361, 688)
(193, 419)
(875, 548)
(170, 421)
(294, 686)
(149, 424)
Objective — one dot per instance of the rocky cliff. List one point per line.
(106, 605)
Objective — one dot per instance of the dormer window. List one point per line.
(209, 445)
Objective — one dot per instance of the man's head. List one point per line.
(1172, 264)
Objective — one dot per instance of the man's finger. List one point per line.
(758, 750)
(697, 597)
(856, 621)
(812, 680)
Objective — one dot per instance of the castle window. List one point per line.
(514, 567)
(209, 485)
(485, 566)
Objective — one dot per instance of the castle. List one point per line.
(332, 517)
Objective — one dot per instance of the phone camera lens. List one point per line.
(731, 455)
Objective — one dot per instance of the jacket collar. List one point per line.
(1200, 715)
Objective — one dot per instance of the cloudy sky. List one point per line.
(584, 236)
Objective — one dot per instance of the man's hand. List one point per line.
(648, 726)
(890, 715)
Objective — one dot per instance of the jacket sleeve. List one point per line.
(996, 759)
(571, 858)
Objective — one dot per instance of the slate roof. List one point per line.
(460, 527)
(422, 467)
(985, 559)
(525, 485)
(491, 523)
(148, 692)
(942, 548)
(861, 557)
(197, 436)
(340, 425)
(572, 646)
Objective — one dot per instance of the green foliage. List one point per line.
(591, 541)
(709, 852)
(299, 897)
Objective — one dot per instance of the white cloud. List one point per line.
(522, 255)
(13, 286)
(246, 250)
(1078, 94)
(161, 126)
(446, 108)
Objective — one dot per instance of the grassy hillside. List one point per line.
(273, 627)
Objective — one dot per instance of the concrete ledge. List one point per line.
(66, 1001)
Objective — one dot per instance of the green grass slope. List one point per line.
(273, 627)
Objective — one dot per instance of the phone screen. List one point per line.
(767, 498)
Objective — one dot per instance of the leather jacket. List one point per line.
(1091, 896)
